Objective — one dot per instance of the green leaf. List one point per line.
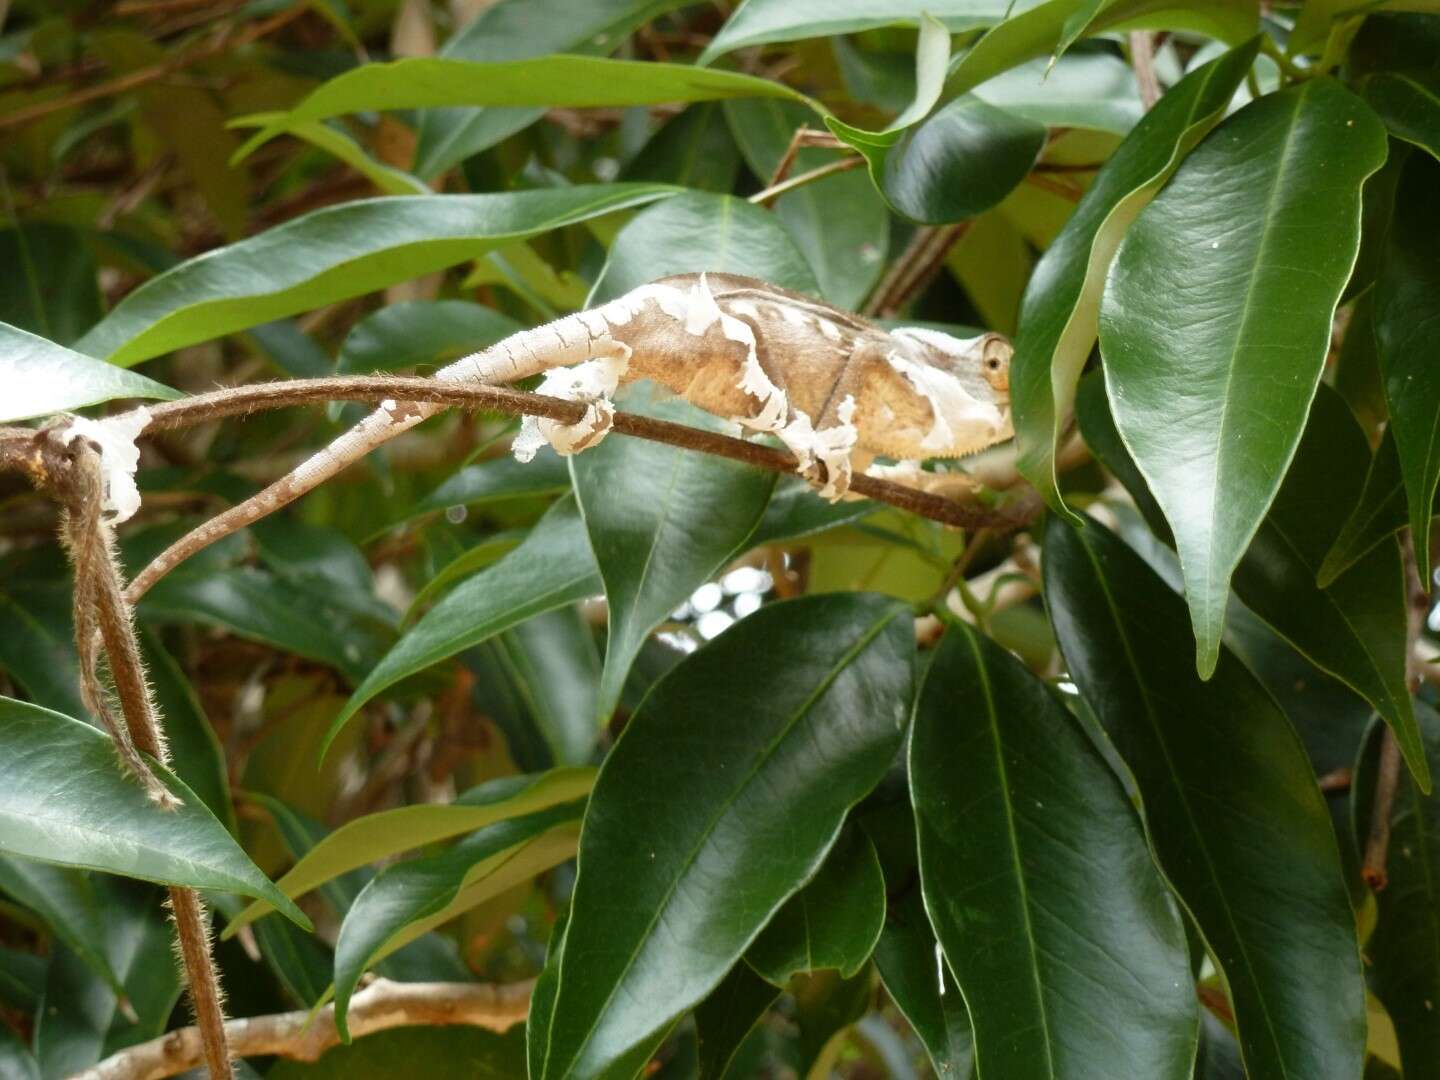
(471, 1052)
(334, 140)
(198, 757)
(1353, 628)
(553, 664)
(389, 832)
(1038, 881)
(16, 1061)
(788, 717)
(406, 900)
(22, 978)
(963, 159)
(697, 231)
(728, 1015)
(1040, 30)
(694, 149)
(52, 284)
(517, 30)
(1379, 513)
(65, 900)
(1407, 320)
(832, 923)
(40, 654)
(761, 22)
(796, 512)
(542, 998)
(1409, 103)
(552, 568)
(1060, 311)
(1212, 404)
(662, 521)
(64, 800)
(335, 253)
(1404, 950)
(911, 967)
(421, 332)
(1088, 90)
(496, 479)
(1234, 817)
(838, 224)
(545, 82)
(41, 377)
(255, 605)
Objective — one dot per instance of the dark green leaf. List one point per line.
(1093, 90)
(662, 521)
(759, 22)
(1231, 807)
(1409, 103)
(1354, 628)
(1262, 240)
(471, 1052)
(1404, 950)
(1038, 881)
(545, 81)
(50, 287)
(1379, 513)
(41, 377)
(795, 511)
(694, 149)
(335, 253)
(542, 999)
(552, 568)
(198, 757)
(788, 717)
(22, 978)
(65, 901)
(518, 30)
(40, 654)
(406, 900)
(832, 923)
(726, 1017)
(1060, 311)
(389, 832)
(495, 479)
(1407, 320)
(16, 1061)
(421, 332)
(838, 223)
(911, 966)
(553, 663)
(63, 799)
(698, 231)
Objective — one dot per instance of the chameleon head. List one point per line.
(980, 365)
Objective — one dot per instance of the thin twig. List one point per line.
(380, 1006)
(803, 137)
(144, 76)
(760, 198)
(915, 266)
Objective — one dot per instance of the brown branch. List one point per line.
(1387, 775)
(915, 266)
(774, 191)
(369, 388)
(1142, 59)
(144, 76)
(803, 137)
(379, 1007)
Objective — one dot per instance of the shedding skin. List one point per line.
(835, 389)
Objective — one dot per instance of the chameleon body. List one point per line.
(836, 389)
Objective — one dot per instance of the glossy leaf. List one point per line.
(760, 22)
(913, 969)
(332, 254)
(1038, 881)
(518, 30)
(789, 717)
(662, 521)
(1039, 30)
(65, 900)
(64, 800)
(832, 923)
(1354, 628)
(41, 377)
(1409, 103)
(1234, 817)
(1379, 513)
(1407, 319)
(796, 512)
(838, 223)
(1091, 90)
(694, 149)
(421, 332)
(406, 900)
(1060, 311)
(544, 82)
(1404, 950)
(378, 836)
(496, 479)
(542, 999)
(1216, 320)
(698, 231)
(335, 140)
(552, 568)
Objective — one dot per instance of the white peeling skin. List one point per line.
(962, 422)
(830, 447)
(119, 457)
(594, 381)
